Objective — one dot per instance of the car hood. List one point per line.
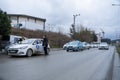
(18, 45)
(103, 45)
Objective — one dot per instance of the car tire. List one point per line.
(29, 53)
(67, 50)
(81, 49)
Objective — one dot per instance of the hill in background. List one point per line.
(55, 39)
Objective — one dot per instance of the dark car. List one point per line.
(3, 45)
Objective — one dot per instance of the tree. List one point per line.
(106, 40)
(83, 34)
(5, 26)
(94, 37)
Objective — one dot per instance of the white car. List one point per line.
(86, 45)
(27, 47)
(103, 45)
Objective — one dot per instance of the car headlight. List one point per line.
(24, 47)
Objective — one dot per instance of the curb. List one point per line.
(56, 49)
(116, 67)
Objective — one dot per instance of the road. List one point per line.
(90, 64)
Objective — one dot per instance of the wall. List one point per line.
(27, 23)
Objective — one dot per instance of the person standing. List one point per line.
(45, 44)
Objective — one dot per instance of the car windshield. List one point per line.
(28, 41)
(73, 42)
(67, 44)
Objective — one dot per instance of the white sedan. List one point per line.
(27, 47)
(103, 45)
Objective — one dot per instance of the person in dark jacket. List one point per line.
(45, 44)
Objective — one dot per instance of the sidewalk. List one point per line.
(116, 68)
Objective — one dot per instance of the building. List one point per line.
(26, 21)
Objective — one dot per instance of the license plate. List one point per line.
(12, 51)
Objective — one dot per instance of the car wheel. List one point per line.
(67, 50)
(29, 53)
(81, 49)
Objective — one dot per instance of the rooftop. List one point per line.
(23, 15)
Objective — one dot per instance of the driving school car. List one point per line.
(27, 47)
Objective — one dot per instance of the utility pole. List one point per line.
(103, 33)
(74, 19)
(72, 29)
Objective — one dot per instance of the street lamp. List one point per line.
(116, 5)
(74, 18)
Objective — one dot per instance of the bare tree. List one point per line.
(83, 34)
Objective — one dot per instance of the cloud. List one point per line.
(94, 14)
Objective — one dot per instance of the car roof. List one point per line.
(34, 39)
(103, 43)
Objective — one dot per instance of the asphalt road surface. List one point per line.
(90, 64)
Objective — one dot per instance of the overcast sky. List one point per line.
(94, 14)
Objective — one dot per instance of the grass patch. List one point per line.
(118, 49)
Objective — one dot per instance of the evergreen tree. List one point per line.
(5, 26)
(94, 37)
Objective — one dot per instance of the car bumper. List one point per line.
(106, 48)
(74, 48)
(17, 52)
(64, 48)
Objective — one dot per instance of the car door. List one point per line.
(40, 49)
(80, 45)
(35, 46)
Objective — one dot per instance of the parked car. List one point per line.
(65, 46)
(103, 45)
(12, 39)
(91, 45)
(3, 45)
(27, 47)
(86, 45)
(95, 44)
(75, 46)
